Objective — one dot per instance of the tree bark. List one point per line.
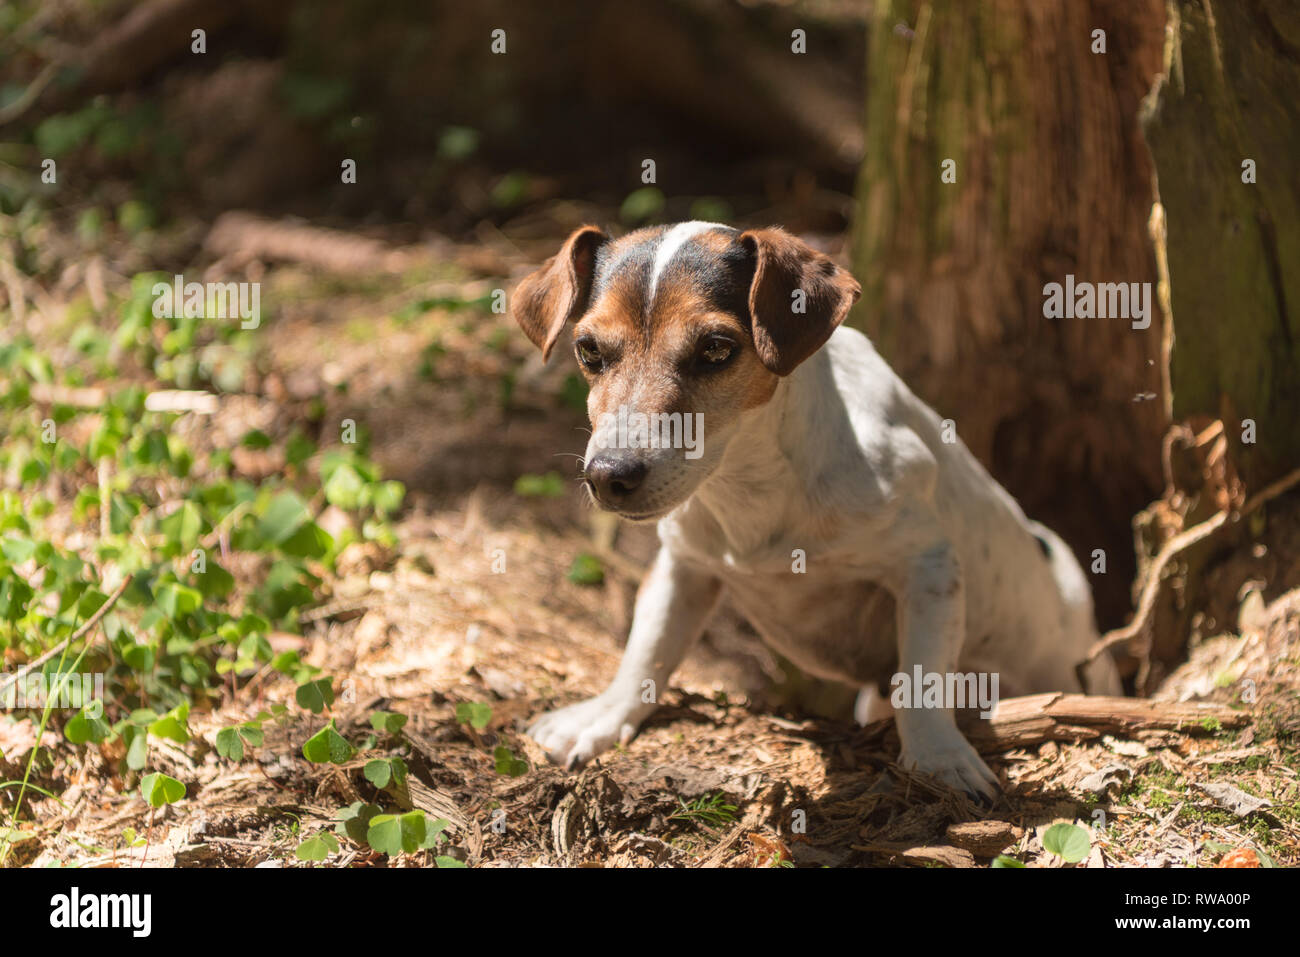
(1229, 96)
(1052, 178)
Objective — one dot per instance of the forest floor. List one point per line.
(516, 595)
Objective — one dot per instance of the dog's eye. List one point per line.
(589, 355)
(715, 350)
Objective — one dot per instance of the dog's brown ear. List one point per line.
(797, 298)
(559, 290)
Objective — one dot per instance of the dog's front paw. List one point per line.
(951, 759)
(574, 735)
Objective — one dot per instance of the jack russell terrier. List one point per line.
(914, 560)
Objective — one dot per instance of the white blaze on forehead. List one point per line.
(672, 241)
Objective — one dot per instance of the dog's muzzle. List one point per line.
(614, 477)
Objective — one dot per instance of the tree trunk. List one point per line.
(1231, 94)
(1052, 177)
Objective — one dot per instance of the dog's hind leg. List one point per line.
(1079, 623)
(871, 706)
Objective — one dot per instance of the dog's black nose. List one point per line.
(613, 478)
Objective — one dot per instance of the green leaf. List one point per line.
(215, 581)
(442, 860)
(381, 771)
(18, 550)
(252, 733)
(183, 526)
(550, 485)
(586, 570)
(354, 820)
(507, 763)
(1068, 842)
(385, 834)
(173, 725)
(327, 746)
(386, 497)
(1002, 860)
(298, 449)
(394, 834)
(317, 848)
(137, 747)
(474, 713)
(14, 596)
(14, 835)
(230, 745)
(159, 789)
(316, 695)
(81, 728)
(283, 516)
(392, 723)
(641, 204)
(434, 832)
(177, 601)
(343, 488)
(310, 541)
(138, 657)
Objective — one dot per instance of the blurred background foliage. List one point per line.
(442, 134)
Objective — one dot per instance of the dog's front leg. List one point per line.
(930, 634)
(672, 607)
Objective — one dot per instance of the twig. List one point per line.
(29, 96)
(91, 622)
(105, 497)
(1180, 542)
(13, 285)
(163, 400)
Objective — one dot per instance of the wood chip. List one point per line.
(983, 838)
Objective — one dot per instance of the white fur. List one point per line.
(846, 464)
(672, 241)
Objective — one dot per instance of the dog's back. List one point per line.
(1029, 605)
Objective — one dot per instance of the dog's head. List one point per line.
(679, 330)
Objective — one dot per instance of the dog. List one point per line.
(915, 559)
